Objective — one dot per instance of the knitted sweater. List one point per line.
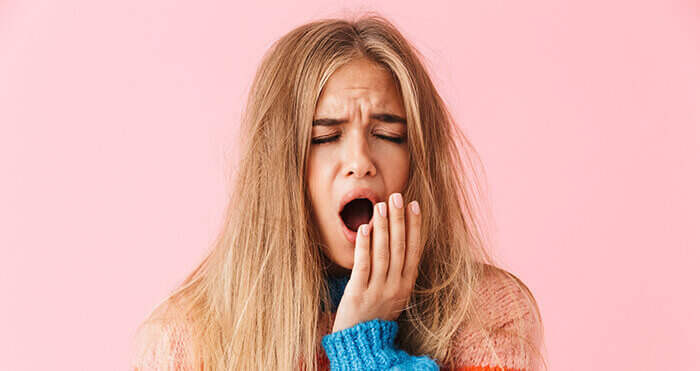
(370, 345)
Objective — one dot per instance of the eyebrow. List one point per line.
(383, 117)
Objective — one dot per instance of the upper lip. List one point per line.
(354, 193)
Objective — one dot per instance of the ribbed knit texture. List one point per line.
(501, 301)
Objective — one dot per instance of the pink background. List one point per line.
(118, 119)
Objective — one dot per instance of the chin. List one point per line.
(344, 264)
(349, 264)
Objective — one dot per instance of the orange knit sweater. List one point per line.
(503, 302)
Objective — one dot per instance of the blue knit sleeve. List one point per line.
(370, 346)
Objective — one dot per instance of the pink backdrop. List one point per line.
(118, 118)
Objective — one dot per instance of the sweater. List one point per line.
(370, 345)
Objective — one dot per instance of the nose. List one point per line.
(358, 156)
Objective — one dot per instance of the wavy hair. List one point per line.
(254, 301)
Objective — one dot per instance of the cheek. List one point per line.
(313, 168)
(317, 178)
(396, 167)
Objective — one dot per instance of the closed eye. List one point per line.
(398, 140)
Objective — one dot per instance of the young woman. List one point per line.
(354, 237)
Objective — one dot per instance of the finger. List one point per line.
(413, 244)
(361, 264)
(380, 245)
(397, 237)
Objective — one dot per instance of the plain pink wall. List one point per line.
(118, 118)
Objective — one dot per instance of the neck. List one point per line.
(336, 287)
(338, 272)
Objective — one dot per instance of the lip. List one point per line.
(349, 234)
(367, 193)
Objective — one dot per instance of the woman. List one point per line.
(322, 261)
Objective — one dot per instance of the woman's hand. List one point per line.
(381, 281)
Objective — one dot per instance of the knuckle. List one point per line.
(400, 247)
(383, 253)
(362, 266)
(415, 262)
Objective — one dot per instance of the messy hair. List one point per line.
(253, 302)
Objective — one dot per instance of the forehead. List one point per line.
(359, 82)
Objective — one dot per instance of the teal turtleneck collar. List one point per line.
(336, 288)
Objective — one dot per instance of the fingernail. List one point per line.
(365, 230)
(398, 200)
(382, 209)
(415, 208)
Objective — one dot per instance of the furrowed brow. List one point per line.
(383, 117)
(389, 118)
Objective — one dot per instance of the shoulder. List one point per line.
(505, 298)
(163, 343)
(505, 326)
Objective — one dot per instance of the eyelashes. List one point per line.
(397, 140)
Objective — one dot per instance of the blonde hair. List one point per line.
(254, 301)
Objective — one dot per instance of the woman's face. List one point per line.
(361, 113)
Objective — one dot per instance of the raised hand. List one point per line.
(382, 276)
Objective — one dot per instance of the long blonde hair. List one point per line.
(254, 302)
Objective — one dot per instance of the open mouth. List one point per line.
(357, 212)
